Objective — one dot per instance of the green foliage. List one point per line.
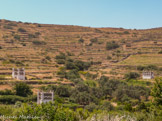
(83, 98)
(6, 110)
(91, 83)
(128, 107)
(61, 56)
(91, 107)
(31, 36)
(17, 37)
(109, 57)
(37, 34)
(36, 42)
(60, 61)
(46, 112)
(157, 91)
(7, 27)
(48, 58)
(160, 52)
(132, 75)
(148, 67)
(126, 32)
(72, 74)
(78, 65)
(94, 40)
(6, 92)
(11, 99)
(21, 30)
(22, 89)
(111, 45)
(63, 91)
(81, 40)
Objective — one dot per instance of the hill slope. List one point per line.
(34, 47)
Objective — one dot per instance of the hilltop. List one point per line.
(112, 51)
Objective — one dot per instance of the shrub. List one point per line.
(37, 33)
(6, 92)
(94, 40)
(132, 75)
(31, 36)
(128, 107)
(21, 30)
(6, 110)
(81, 40)
(141, 68)
(160, 52)
(7, 27)
(63, 91)
(91, 107)
(126, 32)
(151, 67)
(11, 99)
(17, 37)
(111, 45)
(22, 89)
(60, 61)
(61, 56)
(48, 58)
(36, 42)
(106, 106)
(72, 74)
(109, 57)
(18, 63)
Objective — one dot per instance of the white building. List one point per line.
(18, 73)
(148, 75)
(44, 97)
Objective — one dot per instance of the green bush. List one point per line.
(81, 40)
(11, 99)
(109, 57)
(61, 56)
(21, 30)
(160, 52)
(6, 92)
(132, 75)
(94, 40)
(23, 89)
(6, 110)
(111, 45)
(140, 68)
(7, 27)
(17, 37)
(31, 36)
(126, 32)
(36, 42)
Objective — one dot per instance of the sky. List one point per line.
(130, 14)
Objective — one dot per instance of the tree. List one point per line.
(157, 91)
(22, 89)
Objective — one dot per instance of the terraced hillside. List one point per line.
(34, 47)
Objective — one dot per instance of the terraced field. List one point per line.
(34, 47)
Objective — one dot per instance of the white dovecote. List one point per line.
(45, 97)
(147, 75)
(18, 74)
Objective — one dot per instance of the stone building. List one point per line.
(18, 73)
(147, 75)
(44, 97)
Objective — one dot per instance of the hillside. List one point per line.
(35, 46)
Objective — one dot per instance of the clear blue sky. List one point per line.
(139, 14)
